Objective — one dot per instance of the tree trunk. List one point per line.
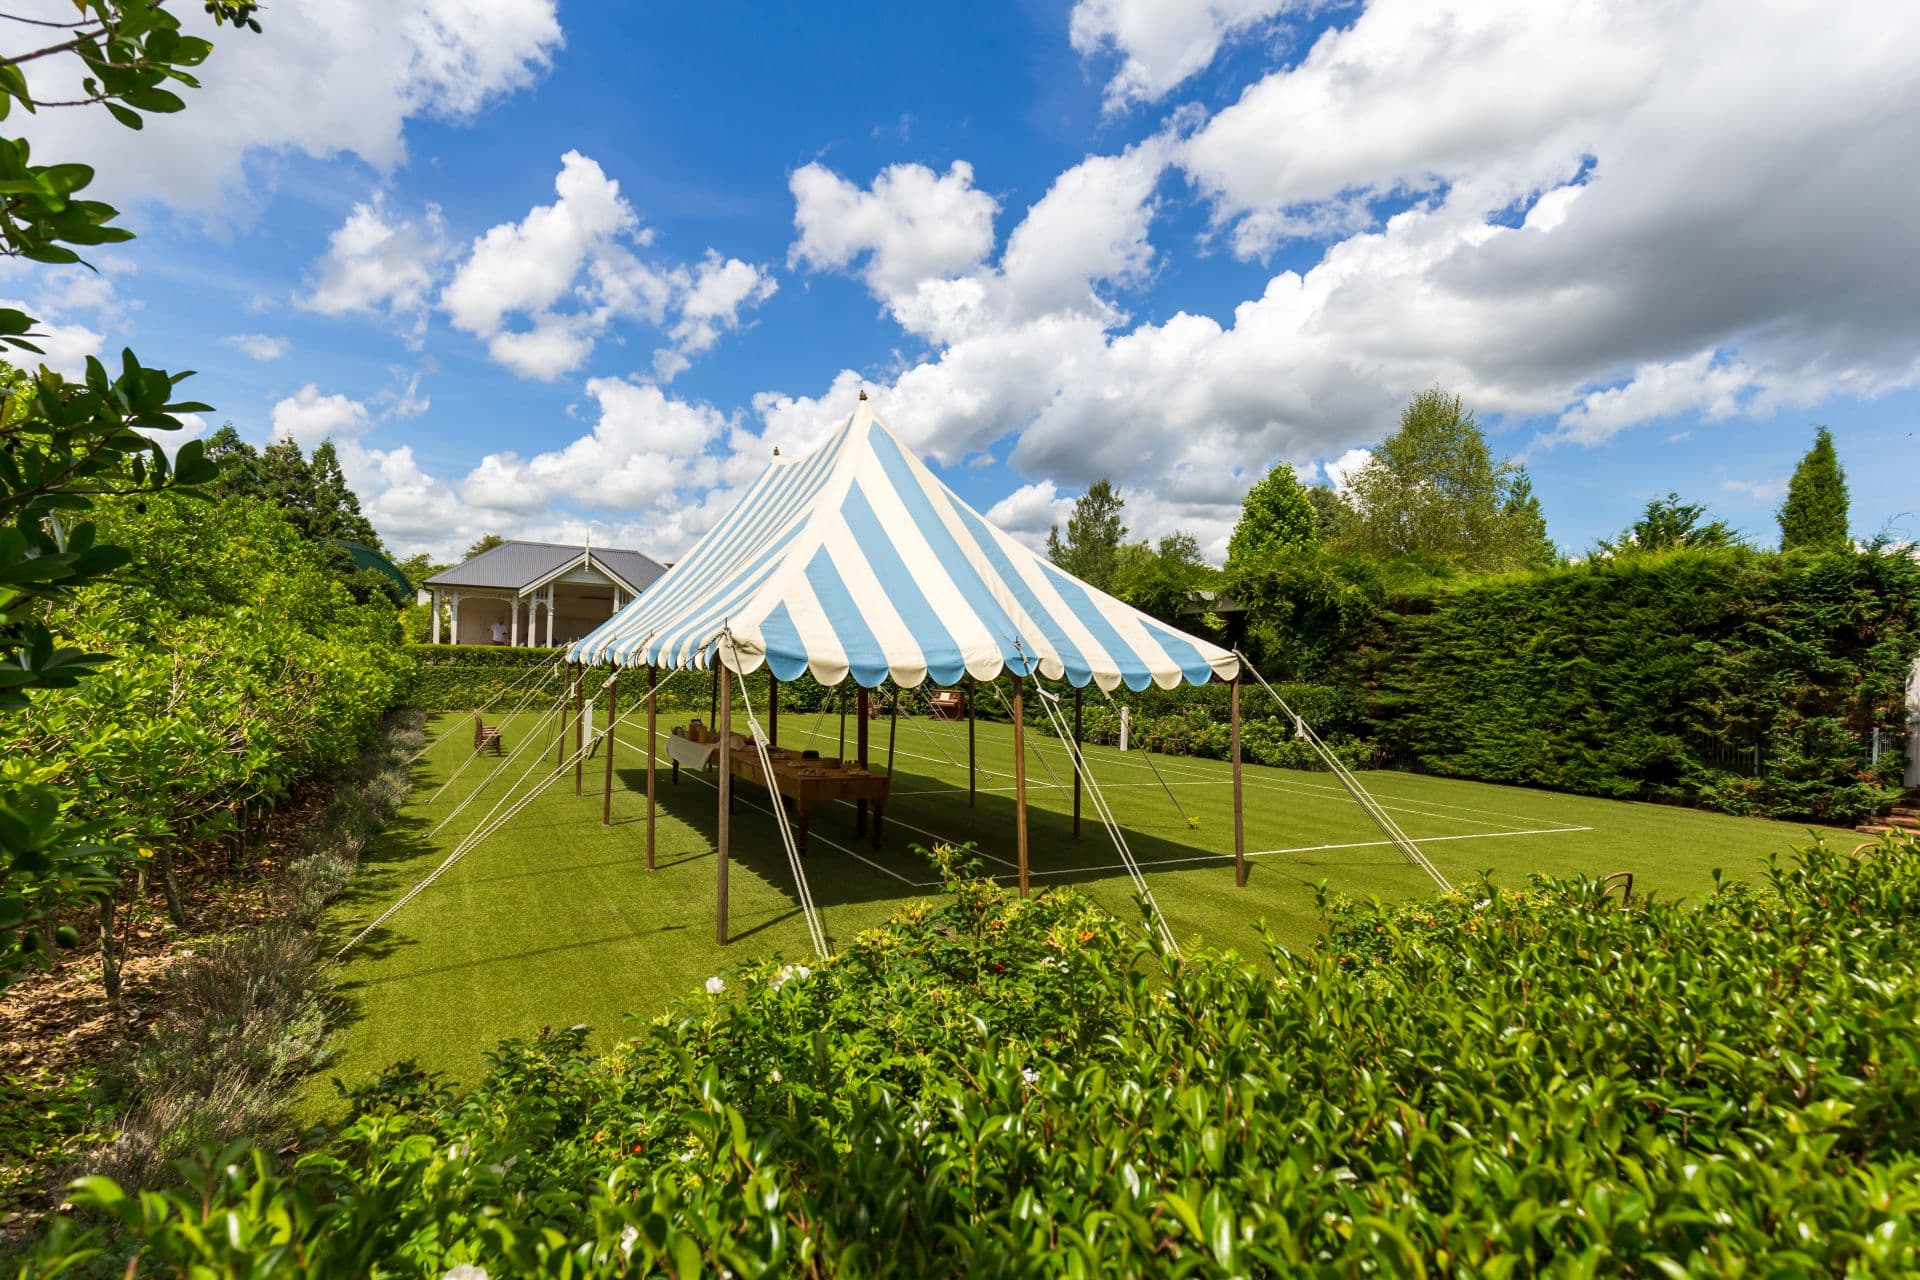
(164, 856)
(109, 957)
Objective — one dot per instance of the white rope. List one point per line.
(815, 932)
(1056, 784)
(474, 838)
(1373, 808)
(1146, 754)
(528, 739)
(452, 777)
(1049, 703)
(484, 708)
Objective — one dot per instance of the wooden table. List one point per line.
(807, 782)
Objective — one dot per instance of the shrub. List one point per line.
(1493, 1083)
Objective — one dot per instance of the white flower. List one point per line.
(465, 1271)
(1029, 1075)
(629, 1238)
(776, 1075)
(788, 973)
(716, 985)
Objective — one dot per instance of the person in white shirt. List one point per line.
(499, 630)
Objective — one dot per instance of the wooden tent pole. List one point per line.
(773, 708)
(860, 707)
(893, 728)
(1076, 752)
(579, 729)
(972, 789)
(1239, 814)
(560, 742)
(713, 700)
(725, 701)
(840, 697)
(1020, 778)
(652, 711)
(606, 740)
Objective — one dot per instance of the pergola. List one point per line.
(857, 562)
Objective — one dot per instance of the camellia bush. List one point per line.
(237, 663)
(1492, 1083)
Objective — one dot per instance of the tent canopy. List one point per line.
(857, 560)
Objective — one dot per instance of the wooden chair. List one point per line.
(487, 737)
(1620, 880)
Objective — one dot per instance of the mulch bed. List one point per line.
(55, 1026)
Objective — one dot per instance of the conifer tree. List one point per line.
(1814, 516)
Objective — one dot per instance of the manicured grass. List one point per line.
(555, 920)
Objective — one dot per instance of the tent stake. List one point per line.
(971, 779)
(1077, 740)
(1239, 814)
(651, 711)
(726, 789)
(860, 708)
(1020, 778)
(606, 792)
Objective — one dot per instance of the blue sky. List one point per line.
(1168, 242)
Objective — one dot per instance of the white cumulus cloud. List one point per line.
(307, 417)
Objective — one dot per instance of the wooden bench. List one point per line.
(486, 737)
(947, 704)
(1620, 882)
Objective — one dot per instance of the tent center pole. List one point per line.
(773, 708)
(606, 740)
(972, 788)
(1077, 740)
(1239, 813)
(1020, 777)
(860, 712)
(560, 741)
(724, 697)
(652, 711)
(579, 729)
(893, 728)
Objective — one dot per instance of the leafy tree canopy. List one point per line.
(1814, 516)
(483, 544)
(1276, 514)
(1158, 579)
(1332, 517)
(1094, 531)
(1433, 489)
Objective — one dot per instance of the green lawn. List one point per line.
(555, 920)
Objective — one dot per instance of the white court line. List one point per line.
(832, 844)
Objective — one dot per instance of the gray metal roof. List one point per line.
(512, 566)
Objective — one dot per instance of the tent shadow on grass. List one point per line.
(1054, 856)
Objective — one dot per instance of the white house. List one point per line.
(535, 593)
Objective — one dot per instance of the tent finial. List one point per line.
(863, 393)
(776, 451)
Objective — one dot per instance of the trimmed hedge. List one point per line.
(1490, 1084)
(1656, 676)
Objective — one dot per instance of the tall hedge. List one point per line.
(1745, 682)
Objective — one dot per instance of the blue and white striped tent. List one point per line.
(857, 560)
